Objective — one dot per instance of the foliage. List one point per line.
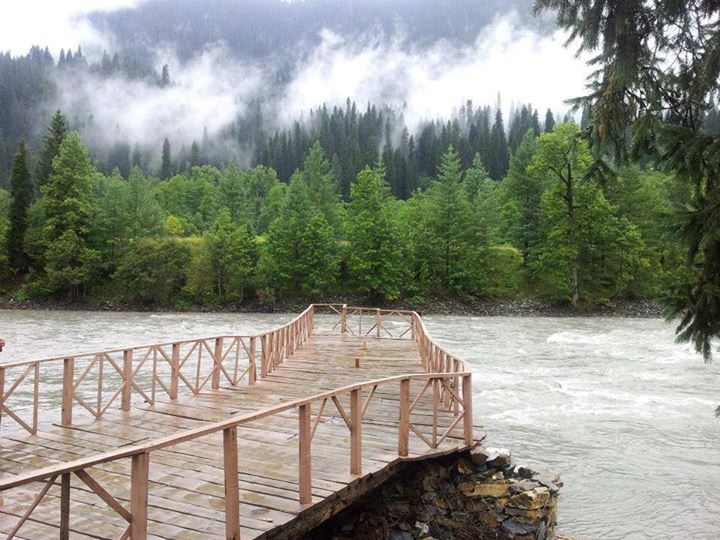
(375, 265)
(21, 193)
(657, 71)
(69, 263)
(151, 270)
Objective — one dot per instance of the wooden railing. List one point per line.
(97, 380)
(136, 515)
(450, 385)
(399, 324)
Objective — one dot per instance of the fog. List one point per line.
(211, 91)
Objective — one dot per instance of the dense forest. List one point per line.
(461, 210)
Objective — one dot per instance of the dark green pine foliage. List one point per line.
(21, 196)
(374, 256)
(68, 207)
(549, 121)
(166, 167)
(498, 161)
(51, 145)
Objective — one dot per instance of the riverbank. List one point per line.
(488, 307)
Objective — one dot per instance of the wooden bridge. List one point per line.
(236, 436)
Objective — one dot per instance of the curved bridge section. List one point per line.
(235, 436)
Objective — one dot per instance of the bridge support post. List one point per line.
(252, 372)
(232, 496)
(467, 409)
(127, 376)
(68, 390)
(404, 429)
(343, 319)
(175, 370)
(305, 456)
(355, 432)
(139, 496)
(65, 507)
(378, 323)
(217, 362)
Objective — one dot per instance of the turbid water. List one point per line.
(614, 405)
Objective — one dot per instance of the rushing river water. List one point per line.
(623, 413)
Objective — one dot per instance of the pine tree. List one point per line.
(317, 175)
(21, 193)
(166, 168)
(374, 255)
(56, 133)
(525, 190)
(165, 77)
(498, 164)
(549, 121)
(67, 204)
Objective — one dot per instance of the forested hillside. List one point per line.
(539, 226)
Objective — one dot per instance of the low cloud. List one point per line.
(208, 92)
(507, 59)
(57, 24)
(212, 90)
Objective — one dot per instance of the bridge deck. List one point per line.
(187, 480)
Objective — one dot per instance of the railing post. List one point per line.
(65, 507)
(355, 432)
(436, 406)
(67, 391)
(232, 495)
(456, 384)
(467, 409)
(305, 456)
(343, 320)
(252, 372)
(139, 496)
(174, 370)
(127, 376)
(404, 430)
(217, 362)
(378, 323)
(263, 356)
(2, 391)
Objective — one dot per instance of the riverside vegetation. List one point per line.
(547, 229)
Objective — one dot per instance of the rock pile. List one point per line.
(476, 495)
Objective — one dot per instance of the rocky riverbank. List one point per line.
(476, 495)
(488, 307)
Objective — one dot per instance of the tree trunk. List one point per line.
(575, 297)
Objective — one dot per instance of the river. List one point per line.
(623, 413)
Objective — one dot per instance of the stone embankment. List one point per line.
(476, 495)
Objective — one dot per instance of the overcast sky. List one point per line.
(55, 23)
(507, 58)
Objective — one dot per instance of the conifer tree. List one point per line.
(67, 204)
(318, 177)
(498, 165)
(549, 121)
(374, 255)
(56, 133)
(166, 168)
(21, 193)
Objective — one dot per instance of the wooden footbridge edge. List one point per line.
(443, 381)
